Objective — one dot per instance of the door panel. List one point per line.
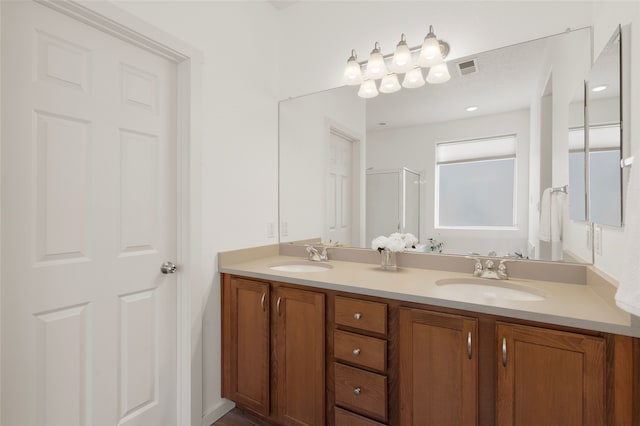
(89, 212)
(438, 368)
(549, 377)
(299, 343)
(339, 184)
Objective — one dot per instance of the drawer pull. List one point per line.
(264, 295)
(357, 315)
(278, 305)
(469, 349)
(356, 351)
(357, 391)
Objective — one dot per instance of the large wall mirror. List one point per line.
(463, 179)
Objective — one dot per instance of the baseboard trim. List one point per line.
(218, 410)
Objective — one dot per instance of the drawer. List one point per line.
(361, 391)
(346, 418)
(361, 314)
(360, 350)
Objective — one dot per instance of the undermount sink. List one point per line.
(473, 289)
(302, 266)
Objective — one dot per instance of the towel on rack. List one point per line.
(551, 215)
(628, 294)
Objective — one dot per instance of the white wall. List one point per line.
(239, 152)
(414, 148)
(606, 17)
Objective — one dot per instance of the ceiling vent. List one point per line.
(468, 67)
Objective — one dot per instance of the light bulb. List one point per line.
(401, 62)
(376, 67)
(389, 84)
(352, 73)
(430, 53)
(368, 89)
(438, 73)
(413, 79)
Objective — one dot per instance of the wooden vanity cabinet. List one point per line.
(438, 368)
(515, 374)
(273, 350)
(549, 377)
(301, 356)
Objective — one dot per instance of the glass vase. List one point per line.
(388, 262)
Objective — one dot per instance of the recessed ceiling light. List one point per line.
(471, 108)
(599, 88)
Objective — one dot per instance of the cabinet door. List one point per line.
(299, 356)
(438, 368)
(249, 341)
(548, 377)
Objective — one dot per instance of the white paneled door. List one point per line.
(339, 184)
(88, 217)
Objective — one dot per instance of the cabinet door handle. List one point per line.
(278, 305)
(356, 351)
(504, 351)
(264, 295)
(469, 349)
(357, 315)
(357, 391)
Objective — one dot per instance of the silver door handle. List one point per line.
(168, 268)
(469, 346)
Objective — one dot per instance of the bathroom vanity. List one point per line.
(346, 343)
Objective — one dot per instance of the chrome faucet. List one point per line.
(489, 270)
(316, 256)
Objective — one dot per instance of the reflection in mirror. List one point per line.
(480, 171)
(605, 138)
(393, 202)
(578, 167)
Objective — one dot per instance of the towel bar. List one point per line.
(564, 189)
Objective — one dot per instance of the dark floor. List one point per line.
(237, 417)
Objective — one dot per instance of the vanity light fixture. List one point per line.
(413, 79)
(353, 73)
(431, 54)
(368, 89)
(376, 68)
(438, 73)
(402, 61)
(390, 83)
(599, 88)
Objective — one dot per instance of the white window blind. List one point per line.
(477, 149)
(475, 183)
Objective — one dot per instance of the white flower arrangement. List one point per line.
(395, 242)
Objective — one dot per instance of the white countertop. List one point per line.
(572, 305)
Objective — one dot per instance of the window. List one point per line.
(475, 183)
